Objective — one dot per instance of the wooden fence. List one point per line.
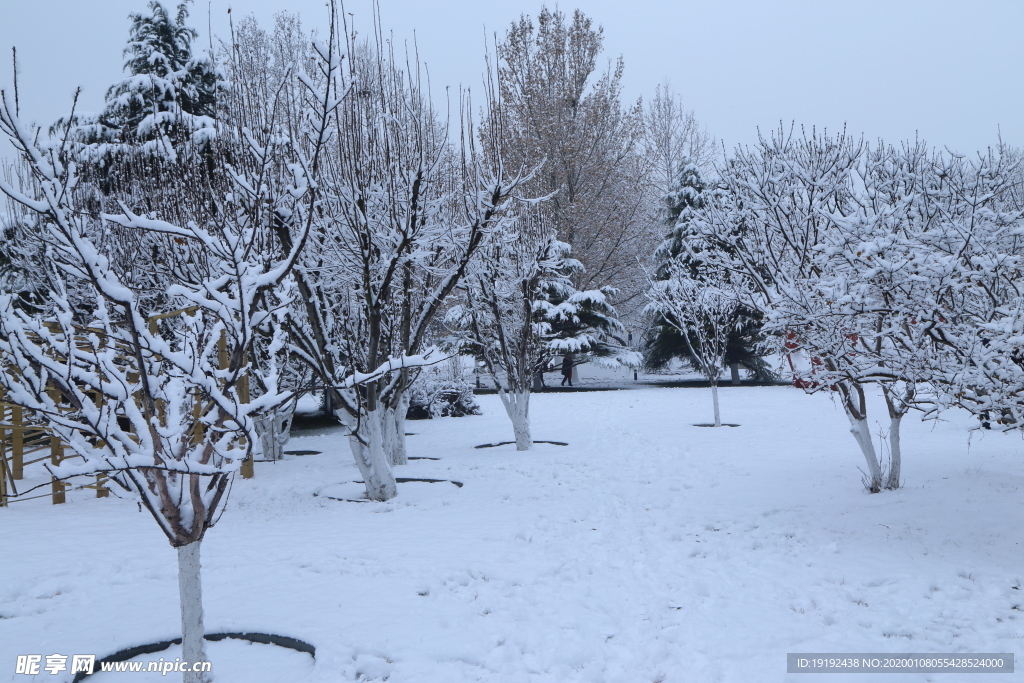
(25, 440)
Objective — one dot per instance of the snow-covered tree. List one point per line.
(170, 93)
(682, 250)
(402, 216)
(916, 267)
(767, 228)
(704, 315)
(894, 267)
(266, 94)
(520, 308)
(152, 389)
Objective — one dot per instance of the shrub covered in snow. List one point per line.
(442, 392)
(432, 397)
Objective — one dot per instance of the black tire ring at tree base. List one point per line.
(398, 480)
(506, 443)
(151, 648)
(406, 480)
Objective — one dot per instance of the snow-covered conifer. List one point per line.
(519, 309)
(168, 99)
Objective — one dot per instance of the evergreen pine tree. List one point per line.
(581, 323)
(169, 96)
(664, 341)
(685, 196)
(20, 265)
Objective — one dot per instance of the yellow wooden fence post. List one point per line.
(248, 468)
(17, 443)
(3, 456)
(56, 455)
(101, 479)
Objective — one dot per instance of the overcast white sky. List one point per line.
(951, 71)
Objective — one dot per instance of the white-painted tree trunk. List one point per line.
(892, 481)
(370, 457)
(517, 405)
(389, 434)
(401, 454)
(898, 402)
(190, 592)
(274, 430)
(394, 433)
(714, 397)
(862, 433)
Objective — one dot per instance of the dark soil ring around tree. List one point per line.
(505, 443)
(264, 638)
(421, 457)
(403, 480)
(708, 424)
(303, 452)
(398, 480)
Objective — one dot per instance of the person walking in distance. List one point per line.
(567, 369)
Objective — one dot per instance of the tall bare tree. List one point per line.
(562, 111)
(672, 137)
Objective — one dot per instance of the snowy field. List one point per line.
(646, 550)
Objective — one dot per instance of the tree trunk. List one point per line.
(274, 431)
(389, 435)
(862, 433)
(393, 430)
(856, 407)
(898, 406)
(371, 459)
(892, 481)
(517, 405)
(190, 592)
(734, 370)
(328, 402)
(714, 397)
(401, 455)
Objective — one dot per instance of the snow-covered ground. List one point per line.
(646, 550)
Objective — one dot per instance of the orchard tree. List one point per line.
(267, 94)
(880, 266)
(402, 216)
(704, 315)
(767, 229)
(151, 389)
